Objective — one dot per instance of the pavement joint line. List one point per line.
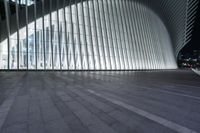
(172, 92)
(184, 85)
(184, 95)
(175, 93)
(8, 103)
(167, 123)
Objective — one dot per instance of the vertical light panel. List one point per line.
(89, 36)
(72, 44)
(35, 34)
(63, 37)
(118, 36)
(83, 37)
(48, 36)
(6, 43)
(31, 49)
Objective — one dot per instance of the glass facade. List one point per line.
(89, 35)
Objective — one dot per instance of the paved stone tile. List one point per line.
(36, 127)
(70, 118)
(17, 128)
(139, 124)
(18, 112)
(88, 119)
(94, 101)
(34, 113)
(57, 126)
(64, 96)
(116, 125)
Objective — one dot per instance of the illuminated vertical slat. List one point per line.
(91, 36)
(13, 42)
(129, 29)
(27, 35)
(59, 35)
(134, 34)
(145, 40)
(72, 37)
(51, 32)
(112, 48)
(130, 39)
(8, 31)
(163, 40)
(122, 34)
(114, 33)
(122, 55)
(130, 34)
(69, 36)
(100, 32)
(66, 38)
(86, 49)
(35, 37)
(150, 43)
(126, 35)
(166, 56)
(31, 39)
(54, 35)
(107, 44)
(17, 23)
(78, 37)
(118, 58)
(99, 21)
(48, 36)
(156, 45)
(148, 39)
(80, 43)
(62, 35)
(153, 43)
(142, 37)
(138, 35)
(159, 43)
(39, 37)
(43, 36)
(97, 40)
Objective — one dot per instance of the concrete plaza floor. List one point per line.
(100, 102)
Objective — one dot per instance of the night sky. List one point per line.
(194, 44)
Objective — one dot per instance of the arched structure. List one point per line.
(97, 35)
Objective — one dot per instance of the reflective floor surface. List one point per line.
(100, 102)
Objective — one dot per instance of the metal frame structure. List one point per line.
(95, 34)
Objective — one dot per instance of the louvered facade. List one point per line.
(95, 34)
